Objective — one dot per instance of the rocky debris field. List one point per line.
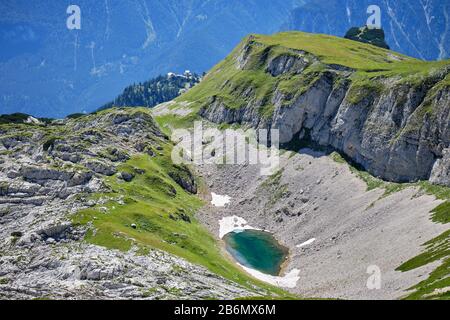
(334, 227)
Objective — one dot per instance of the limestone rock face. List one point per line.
(396, 129)
(441, 170)
(101, 167)
(286, 64)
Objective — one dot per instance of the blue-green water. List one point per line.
(257, 250)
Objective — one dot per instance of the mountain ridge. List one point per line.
(342, 92)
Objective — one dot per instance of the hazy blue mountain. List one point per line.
(48, 70)
(418, 28)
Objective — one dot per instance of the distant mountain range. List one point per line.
(50, 71)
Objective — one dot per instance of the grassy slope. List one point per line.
(151, 203)
(435, 250)
(352, 54)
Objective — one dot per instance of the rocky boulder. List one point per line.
(41, 173)
(126, 176)
(101, 167)
(184, 178)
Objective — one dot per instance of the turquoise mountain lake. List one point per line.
(257, 250)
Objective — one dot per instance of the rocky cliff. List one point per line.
(386, 112)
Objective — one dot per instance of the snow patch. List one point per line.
(288, 281)
(306, 243)
(219, 201)
(233, 224)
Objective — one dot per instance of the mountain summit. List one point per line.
(366, 35)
